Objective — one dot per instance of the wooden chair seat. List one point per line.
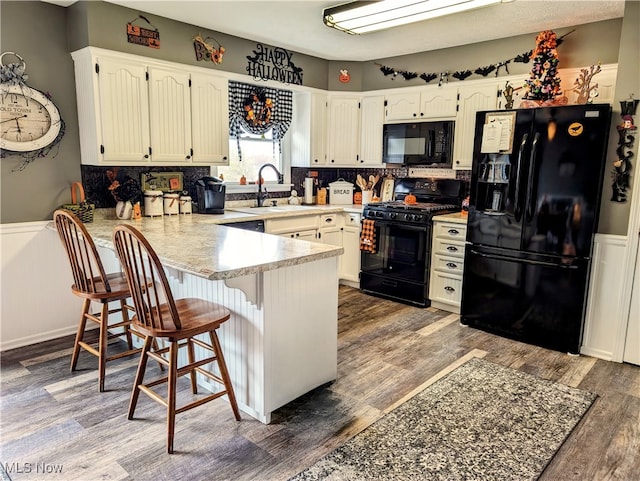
(197, 316)
(179, 323)
(118, 288)
(94, 285)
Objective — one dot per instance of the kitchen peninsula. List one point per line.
(277, 346)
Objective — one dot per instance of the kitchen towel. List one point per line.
(368, 236)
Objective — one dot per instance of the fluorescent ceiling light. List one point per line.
(363, 17)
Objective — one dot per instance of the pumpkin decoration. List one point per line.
(357, 198)
(410, 199)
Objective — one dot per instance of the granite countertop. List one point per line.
(284, 210)
(196, 244)
(457, 217)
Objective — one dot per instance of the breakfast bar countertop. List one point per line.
(196, 244)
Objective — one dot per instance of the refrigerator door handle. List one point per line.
(517, 209)
(524, 261)
(532, 169)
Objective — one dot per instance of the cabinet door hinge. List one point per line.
(189, 83)
(149, 150)
(191, 150)
(458, 96)
(385, 103)
(457, 108)
(146, 76)
(102, 149)
(97, 67)
(358, 104)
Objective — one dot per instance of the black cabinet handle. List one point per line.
(449, 289)
(452, 249)
(451, 265)
(453, 232)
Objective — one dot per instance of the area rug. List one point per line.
(481, 421)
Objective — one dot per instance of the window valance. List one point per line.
(257, 109)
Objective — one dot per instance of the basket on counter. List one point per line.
(79, 205)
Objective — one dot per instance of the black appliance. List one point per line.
(418, 143)
(210, 192)
(399, 268)
(533, 213)
(254, 225)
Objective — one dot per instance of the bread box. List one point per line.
(341, 192)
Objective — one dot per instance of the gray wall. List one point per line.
(589, 44)
(35, 192)
(614, 216)
(104, 25)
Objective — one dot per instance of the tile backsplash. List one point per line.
(96, 181)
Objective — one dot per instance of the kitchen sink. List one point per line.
(273, 208)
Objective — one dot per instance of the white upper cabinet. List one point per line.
(136, 111)
(472, 99)
(344, 130)
(170, 115)
(123, 123)
(427, 103)
(308, 131)
(402, 106)
(209, 119)
(318, 129)
(438, 102)
(372, 120)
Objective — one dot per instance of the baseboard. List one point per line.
(36, 338)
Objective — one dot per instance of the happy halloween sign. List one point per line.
(268, 63)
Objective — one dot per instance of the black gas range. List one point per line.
(398, 268)
(398, 211)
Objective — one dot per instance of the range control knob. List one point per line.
(379, 214)
(393, 215)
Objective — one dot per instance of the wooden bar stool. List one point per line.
(177, 322)
(93, 284)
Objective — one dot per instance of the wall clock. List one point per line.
(29, 120)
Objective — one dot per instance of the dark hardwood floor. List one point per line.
(53, 419)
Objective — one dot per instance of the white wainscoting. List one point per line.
(35, 281)
(606, 310)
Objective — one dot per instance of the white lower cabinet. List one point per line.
(447, 262)
(340, 229)
(350, 260)
(330, 232)
(300, 227)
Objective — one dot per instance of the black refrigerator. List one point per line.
(534, 199)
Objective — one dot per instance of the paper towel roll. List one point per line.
(308, 190)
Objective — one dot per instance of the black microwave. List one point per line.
(419, 143)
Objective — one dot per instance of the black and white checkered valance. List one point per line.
(240, 94)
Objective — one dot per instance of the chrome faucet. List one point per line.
(262, 196)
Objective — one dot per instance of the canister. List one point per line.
(153, 203)
(340, 192)
(171, 203)
(185, 204)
